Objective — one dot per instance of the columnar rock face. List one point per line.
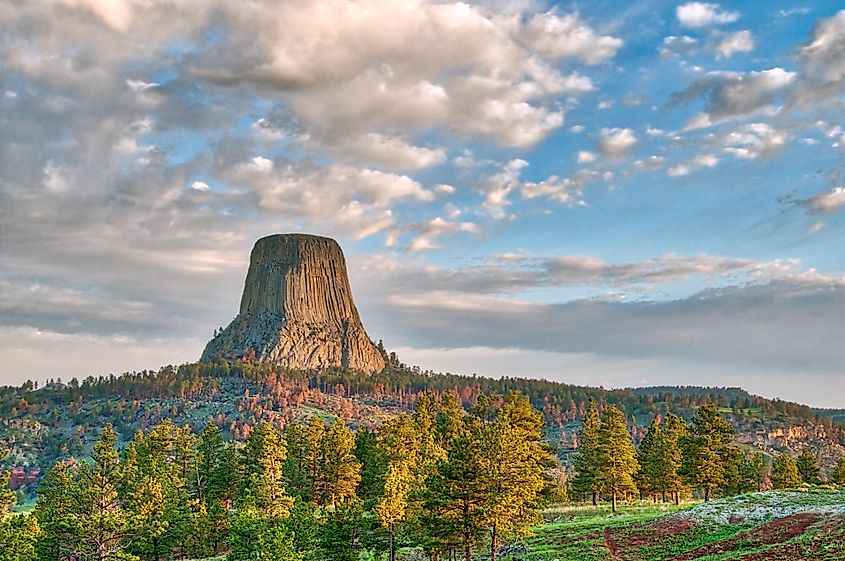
(297, 309)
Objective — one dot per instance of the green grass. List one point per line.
(641, 531)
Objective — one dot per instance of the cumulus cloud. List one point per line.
(828, 201)
(674, 45)
(823, 59)
(732, 95)
(755, 140)
(739, 42)
(498, 187)
(616, 142)
(704, 14)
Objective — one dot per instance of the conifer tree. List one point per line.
(262, 458)
(785, 472)
(706, 450)
(58, 494)
(585, 462)
(838, 476)
(373, 466)
(616, 457)
(669, 451)
(340, 471)
(808, 468)
(649, 477)
(104, 525)
(453, 498)
(513, 458)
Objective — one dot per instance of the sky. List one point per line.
(600, 193)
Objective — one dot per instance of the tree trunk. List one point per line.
(494, 543)
(613, 501)
(706, 494)
(594, 499)
(392, 546)
(677, 498)
(663, 494)
(467, 549)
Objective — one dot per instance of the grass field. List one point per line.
(770, 526)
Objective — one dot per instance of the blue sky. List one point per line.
(651, 194)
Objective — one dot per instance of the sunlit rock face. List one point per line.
(297, 309)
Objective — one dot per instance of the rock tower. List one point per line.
(297, 309)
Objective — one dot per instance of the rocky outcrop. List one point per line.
(297, 309)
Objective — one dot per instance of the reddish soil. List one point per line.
(774, 532)
(828, 544)
(622, 542)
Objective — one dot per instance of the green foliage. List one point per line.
(586, 462)
(255, 536)
(785, 472)
(706, 451)
(838, 476)
(19, 536)
(616, 457)
(808, 468)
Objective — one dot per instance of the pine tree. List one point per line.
(808, 468)
(453, 497)
(58, 493)
(261, 459)
(785, 472)
(373, 466)
(340, 471)
(649, 477)
(586, 481)
(104, 525)
(617, 458)
(669, 451)
(706, 450)
(393, 505)
(838, 476)
(513, 459)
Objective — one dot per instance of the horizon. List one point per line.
(601, 196)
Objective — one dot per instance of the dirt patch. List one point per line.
(774, 532)
(609, 543)
(623, 542)
(828, 542)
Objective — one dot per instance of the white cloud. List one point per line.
(616, 142)
(739, 42)
(827, 202)
(394, 151)
(652, 162)
(426, 233)
(823, 59)
(567, 37)
(585, 157)
(732, 95)
(754, 140)
(704, 14)
(673, 45)
(199, 186)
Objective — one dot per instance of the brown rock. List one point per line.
(297, 309)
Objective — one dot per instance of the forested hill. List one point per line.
(62, 419)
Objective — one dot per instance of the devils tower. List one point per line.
(297, 309)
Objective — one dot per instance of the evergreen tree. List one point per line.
(808, 468)
(616, 457)
(373, 466)
(838, 476)
(513, 459)
(453, 498)
(649, 477)
(58, 494)
(104, 526)
(261, 459)
(706, 450)
(669, 452)
(585, 462)
(340, 471)
(785, 472)
(340, 534)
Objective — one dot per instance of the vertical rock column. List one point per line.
(297, 309)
